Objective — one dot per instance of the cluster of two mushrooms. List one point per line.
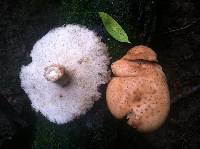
(138, 91)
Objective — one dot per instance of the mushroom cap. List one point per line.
(139, 92)
(85, 58)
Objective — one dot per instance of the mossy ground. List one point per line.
(23, 22)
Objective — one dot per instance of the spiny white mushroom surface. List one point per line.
(85, 60)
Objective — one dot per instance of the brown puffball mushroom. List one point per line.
(139, 91)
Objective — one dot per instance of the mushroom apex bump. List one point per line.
(54, 72)
(141, 52)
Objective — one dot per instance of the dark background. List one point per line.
(170, 27)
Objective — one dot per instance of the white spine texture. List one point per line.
(84, 57)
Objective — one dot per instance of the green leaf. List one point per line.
(113, 28)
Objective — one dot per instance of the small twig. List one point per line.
(186, 92)
(184, 27)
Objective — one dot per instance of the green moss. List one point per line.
(49, 136)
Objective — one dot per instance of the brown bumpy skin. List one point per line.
(139, 91)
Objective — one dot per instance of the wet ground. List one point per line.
(170, 27)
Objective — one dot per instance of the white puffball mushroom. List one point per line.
(68, 65)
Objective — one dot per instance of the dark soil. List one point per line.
(170, 27)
